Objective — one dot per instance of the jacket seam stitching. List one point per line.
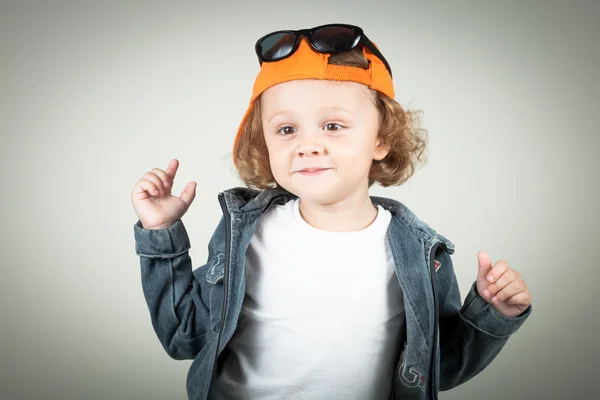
(481, 330)
(169, 255)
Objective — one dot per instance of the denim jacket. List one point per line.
(195, 312)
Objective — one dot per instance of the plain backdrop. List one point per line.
(94, 94)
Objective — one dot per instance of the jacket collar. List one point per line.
(242, 200)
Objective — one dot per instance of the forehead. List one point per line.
(313, 92)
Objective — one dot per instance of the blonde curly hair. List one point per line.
(399, 130)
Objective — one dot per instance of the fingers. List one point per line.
(520, 299)
(171, 169)
(155, 179)
(496, 272)
(166, 180)
(147, 186)
(188, 194)
(501, 283)
(485, 265)
(158, 182)
(168, 175)
(512, 288)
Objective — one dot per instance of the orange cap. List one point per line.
(306, 63)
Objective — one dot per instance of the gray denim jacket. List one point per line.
(195, 312)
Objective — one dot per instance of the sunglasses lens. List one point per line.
(277, 45)
(334, 39)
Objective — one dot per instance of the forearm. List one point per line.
(471, 339)
(168, 284)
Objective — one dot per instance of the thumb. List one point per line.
(188, 194)
(485, 265)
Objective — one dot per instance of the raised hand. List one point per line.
(501, 286)
(153, 202)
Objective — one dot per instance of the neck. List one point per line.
(347, 215)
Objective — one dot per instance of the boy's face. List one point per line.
(328, 125)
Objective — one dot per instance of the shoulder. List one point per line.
(402, 214)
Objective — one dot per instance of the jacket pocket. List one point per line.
(215, 277)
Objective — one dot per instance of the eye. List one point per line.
(287, 130)
(331, 124)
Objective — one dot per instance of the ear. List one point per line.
(380, 150)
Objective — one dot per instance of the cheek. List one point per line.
(353, 150)
(278, 158)
(272, 148)
(280, 149)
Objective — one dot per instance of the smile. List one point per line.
(312, 171)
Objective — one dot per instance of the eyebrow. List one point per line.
(332, 108)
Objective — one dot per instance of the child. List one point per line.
(312, 288)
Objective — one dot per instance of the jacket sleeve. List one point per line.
(177, 311)
(471, 335)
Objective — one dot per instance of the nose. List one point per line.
(309, 146)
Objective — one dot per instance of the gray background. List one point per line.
(93, 94)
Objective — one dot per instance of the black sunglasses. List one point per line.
(326, 39)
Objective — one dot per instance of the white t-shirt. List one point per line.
(322, 316)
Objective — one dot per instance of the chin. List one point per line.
(317, 194)
(316, 190)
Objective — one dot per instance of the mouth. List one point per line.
(312, 171)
